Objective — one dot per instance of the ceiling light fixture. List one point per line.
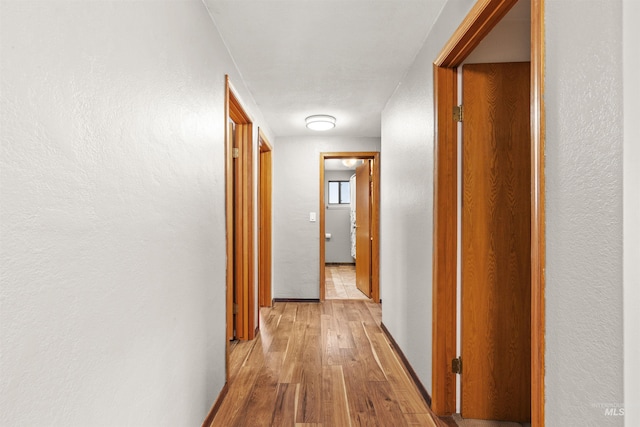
(349, 162)
(320, 122)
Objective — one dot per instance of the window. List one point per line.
(339, 193)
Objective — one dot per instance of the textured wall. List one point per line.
(296, 175)
(112, 213)
(407, 200)
(337, 222)
(631, 59)
(584, 363)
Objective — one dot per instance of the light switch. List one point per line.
(312, 217)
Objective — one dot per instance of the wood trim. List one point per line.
(445, 246)
(480, 20)
(236, 111)
(538, 251)
(275, 300)
(264, 221)
(263, 143)
(484, 15)
(375, 218)
(216, 406)
(423, 391)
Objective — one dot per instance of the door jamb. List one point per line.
(480, 20)
(375, 218)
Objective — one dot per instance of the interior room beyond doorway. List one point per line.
(349, 252)
(340, 282)
(341, 202)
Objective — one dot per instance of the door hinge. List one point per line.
(235, 308)
(458, 112)
(456, 365)
(236, 153)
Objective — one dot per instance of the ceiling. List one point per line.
(338, 57)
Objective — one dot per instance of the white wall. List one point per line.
(508, 41)
(112, 212)
(631, 40)
(296, 176)
(407, 200)
(583, 95)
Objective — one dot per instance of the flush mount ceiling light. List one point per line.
(349, 162)
(320, 122)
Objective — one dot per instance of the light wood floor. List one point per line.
(320, 364)
(340, 282)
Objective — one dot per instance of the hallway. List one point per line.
(321, 364)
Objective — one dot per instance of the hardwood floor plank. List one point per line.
(261, 401)
(292, 365)
(334, 393)
(386, 407)
(284, 413)
(359, 396)
(366, 356)
(310, 403)
(241, 349)
(330, 343)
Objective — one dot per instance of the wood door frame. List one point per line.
(375, 218)
(264, 220)
(243, 254)
(480, 20)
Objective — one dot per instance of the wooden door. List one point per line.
(264, 224)
(363, 228)
(496, 254)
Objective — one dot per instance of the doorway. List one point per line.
(347, 221)
(239, 219)
(264, 221)
(365, 227)
(479, 22)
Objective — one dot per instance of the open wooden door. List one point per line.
(363, 228)
(496, 248)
